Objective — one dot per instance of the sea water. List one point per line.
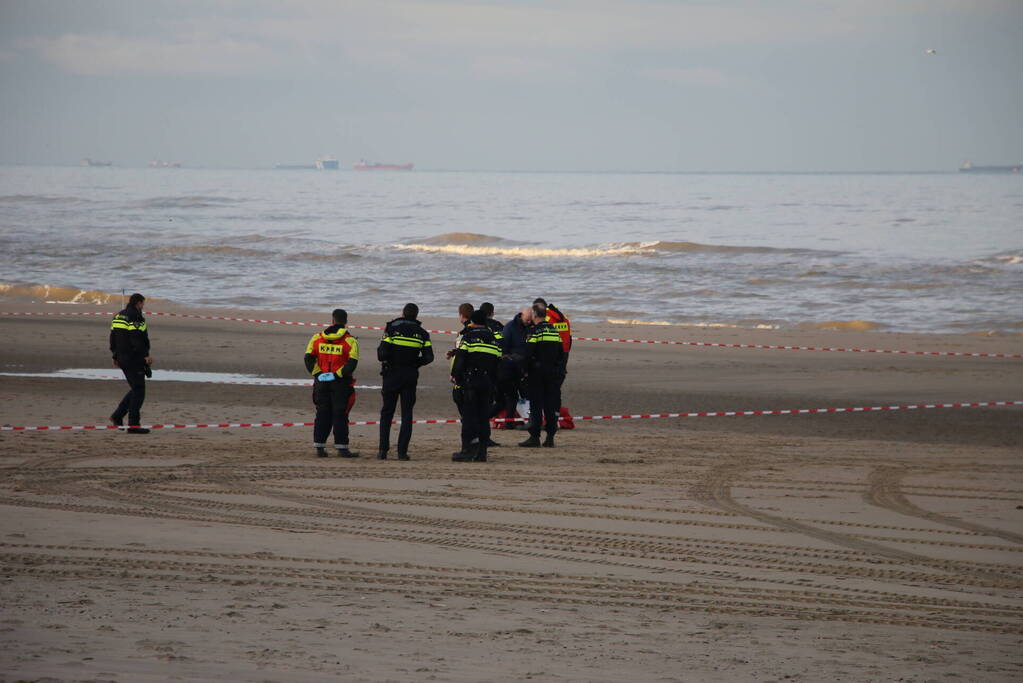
(901, 252)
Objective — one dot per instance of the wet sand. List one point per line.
(878, 546)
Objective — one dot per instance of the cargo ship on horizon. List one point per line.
(364, 165)
(968, 167)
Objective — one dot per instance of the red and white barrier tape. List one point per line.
(596, 339)
(244, 382)
(642, 416)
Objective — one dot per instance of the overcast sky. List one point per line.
(667, 85)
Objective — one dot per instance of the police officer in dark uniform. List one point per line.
(404, 349)
(545, 370)
(495, 326)
(129, 345)
(474, 370)
(464, 311)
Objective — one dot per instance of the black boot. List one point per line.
(481, 454)
(382, 454)
(403, 455)
(491, 443)
(137, 430)
(549, 441)
(343, 452)
(531, 442)
(321, 452)
(462, 456)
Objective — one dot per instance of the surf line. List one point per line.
(960, 354)
(637, 416)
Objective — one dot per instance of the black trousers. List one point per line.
(131, 404)
(331, 401)
(544, 400)
(399, 383)
(477, 396)
(509, 377)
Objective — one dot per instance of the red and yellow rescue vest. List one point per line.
(560, 323)
(332, 351)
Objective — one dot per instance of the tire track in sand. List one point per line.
(885, 491)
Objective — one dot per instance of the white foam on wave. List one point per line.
(523, 252)
(665, 323)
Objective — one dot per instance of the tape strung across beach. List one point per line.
(641, 416)
(969, 354)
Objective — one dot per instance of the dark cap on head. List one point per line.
(340, 316)
(135, 298)
(410, 312)
(478, 318)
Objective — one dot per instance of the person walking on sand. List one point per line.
(129, 346)
(331, 357)
(474, 368)
(404, 349)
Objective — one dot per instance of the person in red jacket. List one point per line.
(331, 357)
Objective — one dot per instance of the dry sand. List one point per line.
(854, 547)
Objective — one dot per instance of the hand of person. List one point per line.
(115, 363)
(449, 354)
(149, 360)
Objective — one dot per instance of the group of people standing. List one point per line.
(492, 365)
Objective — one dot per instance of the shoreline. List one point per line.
(23, 296)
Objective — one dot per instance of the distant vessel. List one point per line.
(164, 164)
(376, 166)
(92, 162)
(328, 164)
(968, 167)
(293, 167)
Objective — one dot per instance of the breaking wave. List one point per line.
(853, 325)
(665, 323)
(521, 252)
(61, 295)
(675, 247)
(471, 244)
(1008, 258)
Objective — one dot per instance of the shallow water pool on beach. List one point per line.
(175, 376)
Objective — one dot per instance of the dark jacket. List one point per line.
(129, 337)
(497, 328)
(405, 344)
(514, 336)
(544, 351)
(478, 353)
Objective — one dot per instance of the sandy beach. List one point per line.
(853, 546)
